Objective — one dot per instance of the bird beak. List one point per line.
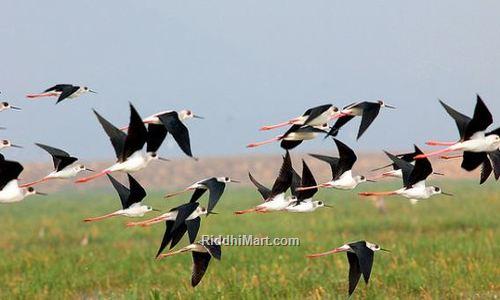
(15, 107)
(92, 91)
(90, 170)
(163, 159)
(371, 180)
(386, 250)
(41, 194)
(16, 146)
(235, 181)
(390, 106)
(437, 173)
(154, 209)
(198, 117)
(329, 206)
(446, 194)
(213, 212)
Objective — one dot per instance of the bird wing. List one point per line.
(183, 212)
(332, 161)
(136, 135)
(296, 183)
(461, 120)
(307, 180)
(200, 265)
(213, 248)
(421, 170)
(9, 170)
(123, 191)
(285, 177)
(137, 192)
(264, 191)
(315, 112)
(167, 237)
(197, 194)
(481, 119)
(216, 189)
(288, 145)
(178, 130)
(177, 235)
(354, 271)
(193, 226)
(495, 159)
(156, 135)
(406, 168)
(485, 171)
(61, 158)
(472, 160)
(370, 112)
(116, 136)
(339, 124)
(365, 258)
(347, 158)
(66, 92)
(58, 88)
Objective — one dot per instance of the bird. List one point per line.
(187, 219)
(131, 199)
(414, 177)
(487, 167)
(7, 144)
(396, 171)
(6, 105)
(367, 110)
(314, 116)
(294, 136)
(63, 165)
(171, 122)
(202, 252)
(215, 186)
(341, 167)
(275, 199)
(62, 91)
(305, 202)
(128, 146)
(360, 255)
(474, 141)
(10, 191)
(171, 215)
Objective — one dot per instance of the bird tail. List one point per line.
(40, 95)
(34, 182)
(377, 193)
(92, 177)
(99, 218)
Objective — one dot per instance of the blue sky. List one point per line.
(243, 64)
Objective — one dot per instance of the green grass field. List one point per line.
(441, 248)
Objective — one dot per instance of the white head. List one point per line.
(86, 89)
(154, 156)
(317, 204)
(7, 144)
(374, 247)
(226, 180)
(292, 199)
(383, 104)
(359, 179)
(494, 139)
(200, 211)
(434, 190)
(323, 127)
(333, 111)
(6, 105)
(79, 168)
(187, 114)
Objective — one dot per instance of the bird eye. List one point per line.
(30, 189)
(436, 189)
(227, 178)
(5, 103)
(320, 203)
(335, 109)
(363, 178)
(189, 112)
(85, 88)
(5, 142)
(153, 155)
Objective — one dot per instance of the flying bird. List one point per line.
(6, 105)
(10, 191)
(215, 186)
(63, 165)
(62, 91)
(8, 144)
(341, 167)
(396, 171)
(275, 199)
(294, 136)
(367, 110)
(414, 177)
(305, 202)
(360, 256)
(171, 215)
(202, 252)
(172, 122)
(128, 146)
(187, 219)
(315, 116)
(131, 199)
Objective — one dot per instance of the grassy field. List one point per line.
(445, 247)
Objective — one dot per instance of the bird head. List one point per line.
(201, 210)
(87, 89)
(434, 190)
(494, 139)
(375, 247)
(6, 105)
(383, 104)
(154, 156)
(81, 167)
(7, 143)
(188, 114)
(227, 180)
(321, 204)
(31, 191)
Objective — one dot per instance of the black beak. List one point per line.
(92, 91)
(154, 209)
(198, 117)
(329, 206)
(163, 159)
(386, 250)
(446, 194)
(235, 181)
(15, 107)
(369, 180)
(390, 106)
(90, 170)
(16, 146)
(41, 194)
(213, 212)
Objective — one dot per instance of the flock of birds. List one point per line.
(136, 145)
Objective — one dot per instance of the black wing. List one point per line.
(472, 160)
(137, 192)
(60, 157)
(193, 226)
(307, 180)
(66, 92)
(365, 258)
(347, 158)
(197, 195)
(123, 191)
(200, 265)
(216, 189)
(495, 159)
(183, 213)
(296, 183)
(480, 121)
(461, 120)
(156, 135)
(370, 112)
(264, 191)
(354, 271)
(289, 145)
(58, 88)
(177, 235)
(116, 136)
(167, 237)
(406, 168)
(332, 161)
(422, 169)
(339, 124)
(9, 170)
(485, 171)
(213, 248)
(285, 177)
(315, 112)
(136, 135)
(178, 130)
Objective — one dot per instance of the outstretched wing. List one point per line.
(178, 130)
(60, 157)
(422, 169)
(264, 191)
(156, 135)
(285, 177)
(66, 92)
(480, 121)
(406, 168)
(116, 136)
(123, 191)
(354, 271)
(370, 112)
(347, 158)
(365, 258)
(307, 180)
(136, 136)
(9, 170)
(461, 120)
(137, 192)
(332, 161)
(315, 112)
(216, 189)
(200, 265)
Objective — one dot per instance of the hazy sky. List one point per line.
(243, 64)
